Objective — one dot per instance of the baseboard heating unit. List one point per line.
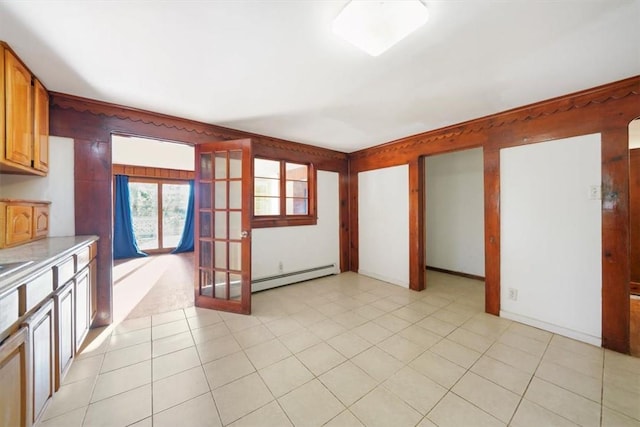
(293, 277)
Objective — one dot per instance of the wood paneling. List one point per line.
(634, 214)
(615, 239)
(151, 172)
(635, 326)
(417, 224)
(91, 123)
(491, 158)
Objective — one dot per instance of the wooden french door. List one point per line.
(223, 188)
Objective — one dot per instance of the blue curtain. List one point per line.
(124, 241)
(186, 241)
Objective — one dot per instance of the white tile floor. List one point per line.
(346, 351)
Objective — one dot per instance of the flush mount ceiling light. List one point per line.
(375, 26)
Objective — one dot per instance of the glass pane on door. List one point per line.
(175, 198)
(144, 213)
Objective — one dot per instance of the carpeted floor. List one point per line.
(152, 285)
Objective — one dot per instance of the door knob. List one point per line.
(245, 234)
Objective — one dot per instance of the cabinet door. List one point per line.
(19, 224)
(14, 380)
(93, 277)
(41, 358)
(82, 308)
(40, 221)
(19, 112)
(40, 127)
(65, 339)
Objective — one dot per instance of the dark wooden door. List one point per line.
(223, 226)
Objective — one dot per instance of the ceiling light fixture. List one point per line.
(375, 26)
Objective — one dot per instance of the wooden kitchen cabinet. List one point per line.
(65, 331)
(82, 305)
(24, 118)
(22, 221)
(14, 380)
(41, 358)
(40, 127)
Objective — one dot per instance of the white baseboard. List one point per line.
(569, 333)
(384, 279)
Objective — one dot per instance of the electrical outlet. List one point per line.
(513, 294)
(595, 192)
(280, 267)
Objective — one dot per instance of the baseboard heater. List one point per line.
(293, 277)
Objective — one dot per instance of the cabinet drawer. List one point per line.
(38, 289)
(64, 271)
(9, 312)
(83, 257)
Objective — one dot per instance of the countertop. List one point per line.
(43, 253)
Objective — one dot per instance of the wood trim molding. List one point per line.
(455, 273)
(579, 100)
(213, 132)
(152, 172)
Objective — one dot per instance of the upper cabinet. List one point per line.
(24, 118)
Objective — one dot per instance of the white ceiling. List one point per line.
(275, 67)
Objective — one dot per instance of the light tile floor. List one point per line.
(346, 350)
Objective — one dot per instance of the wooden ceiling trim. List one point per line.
(452, 137)
(99, 108)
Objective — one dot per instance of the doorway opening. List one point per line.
(158, 178)
(454, 223)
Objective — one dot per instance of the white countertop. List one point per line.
(43, 254)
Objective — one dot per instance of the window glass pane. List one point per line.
(235, 256)
(235, 194)
(235, 286)
(297, 189)
(205, 255)
(175, 198)
(144, 213)
(221, 255)
(205, 224)
(221, 285)
(297, 206)
(296, 171)
(266, 206)
(205, 166)
(221, 194)
(235, 164)
(221, 225)
(266, 187)
(205, 195)
(206, 284)
(266, 168)
(235, 225)
(221, 164)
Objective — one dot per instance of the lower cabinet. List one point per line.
(14, 392)
(82, 305)
(65, 330)
(41, 358)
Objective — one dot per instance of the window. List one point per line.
(158, 212)
(283, 193)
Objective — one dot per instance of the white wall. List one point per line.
(57, 187)
(455, 211)
(550, 236)
(301, 247)
(383, 224)
(152, 153)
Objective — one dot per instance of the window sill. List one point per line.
(266, 222)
